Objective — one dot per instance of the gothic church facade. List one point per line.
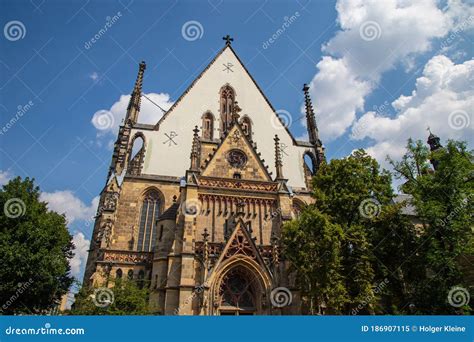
(193, 206)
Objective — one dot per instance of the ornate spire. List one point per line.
(133, 108)
(278, 162)
(228, 40)
(195, 150)
(310, 119)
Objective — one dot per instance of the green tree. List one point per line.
(355, 199)
(126, 297)
(312, 245)
(397, 264)
(352, 192)
(444, 202)
(35, 248)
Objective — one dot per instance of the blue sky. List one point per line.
(362, 81)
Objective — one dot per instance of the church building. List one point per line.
(194, 205)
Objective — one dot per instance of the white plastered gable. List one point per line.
(169, 147)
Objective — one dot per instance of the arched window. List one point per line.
(247, 126)
(130, 274)
(137, 155)
(208, 126)
(118, 274)
(310, 162)
(148, 216)
(227, 106)
(298, 206)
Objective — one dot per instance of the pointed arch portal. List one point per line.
(241, 282)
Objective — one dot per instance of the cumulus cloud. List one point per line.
(336, 112)
(5, 176)
(81, 247)
(65, 202)
(443, 99)
(375, 36)
(109, 120)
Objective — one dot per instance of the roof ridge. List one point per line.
(190, 86)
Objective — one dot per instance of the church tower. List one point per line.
(434, 142)
(196, 212)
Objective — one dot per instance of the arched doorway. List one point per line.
(240, 287)
(238, 293)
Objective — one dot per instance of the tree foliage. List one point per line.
(444, 203)
(35, 248)
(355, 251)
(313, 245)
(126, 297)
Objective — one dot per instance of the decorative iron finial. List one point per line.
(278, 162)
(228, 40)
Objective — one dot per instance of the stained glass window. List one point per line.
(148, 216)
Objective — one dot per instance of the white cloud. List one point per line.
(337, 111)
(404, 29)
(65, 202)
(94, 76)
(375, 36)
(5, 176)
(443, 99)
(108, 121)
(81, 247)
